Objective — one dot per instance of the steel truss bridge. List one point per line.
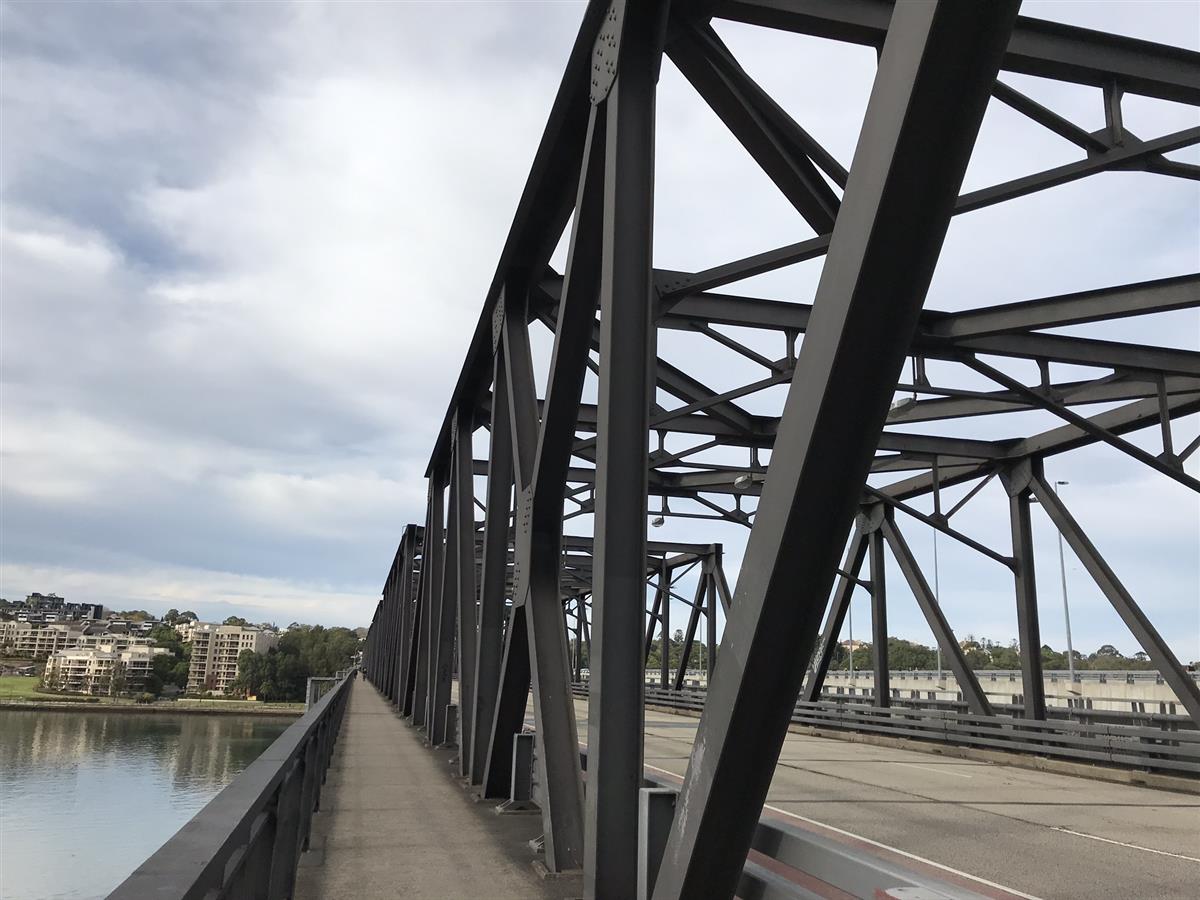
(505, 603)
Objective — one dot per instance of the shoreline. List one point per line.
(148, 708)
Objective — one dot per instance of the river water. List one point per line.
(85, 797)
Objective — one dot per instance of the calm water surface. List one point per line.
(85, 797)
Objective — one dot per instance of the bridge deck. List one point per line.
(1038, 833)
(393, 822)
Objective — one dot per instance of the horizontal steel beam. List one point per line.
(1037, 47)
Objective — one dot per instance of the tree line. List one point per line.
(983, 653)
(308, 651)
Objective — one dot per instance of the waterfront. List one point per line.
(86, 796)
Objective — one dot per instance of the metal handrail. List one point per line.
(247, 841)
(1166, 748)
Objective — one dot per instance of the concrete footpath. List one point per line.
(395, 822)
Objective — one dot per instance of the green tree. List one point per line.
(168, 668)
(135, 615)
(282, 673)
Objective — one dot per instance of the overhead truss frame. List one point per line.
(509, 603)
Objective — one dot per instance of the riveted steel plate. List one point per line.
(605, 52)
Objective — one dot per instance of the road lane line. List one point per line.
(1123, 844)
(938, 771)
(882, 846)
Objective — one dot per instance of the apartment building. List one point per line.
(37, 642)
(215, 651)
(104, 671)
(105, 641)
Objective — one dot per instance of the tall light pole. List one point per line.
(1062, 566)
(850, 623)
(937, 600)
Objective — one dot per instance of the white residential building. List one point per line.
(112, 641)
(103, 671)
(215, 651)
(37, 642)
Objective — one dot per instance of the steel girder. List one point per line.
(491, 600)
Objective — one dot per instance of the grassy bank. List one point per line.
(19, 692)
(18, 687)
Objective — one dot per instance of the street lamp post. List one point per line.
(1062, 566)
(850, 623)
(937, 599)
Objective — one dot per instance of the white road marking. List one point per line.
(938, 771)
(1123, 844)
(888, 847)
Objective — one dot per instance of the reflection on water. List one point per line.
(86, 796)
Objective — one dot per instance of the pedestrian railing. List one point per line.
(1165, 747)
(247, 841)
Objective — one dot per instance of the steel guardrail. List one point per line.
(1166, 748)
(247, 841)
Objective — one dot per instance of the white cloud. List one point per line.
(244, 249)
(212, 594)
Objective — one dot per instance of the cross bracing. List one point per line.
(867, 415)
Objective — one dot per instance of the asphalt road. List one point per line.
(1036, 833)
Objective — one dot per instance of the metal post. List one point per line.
(445, 615)
(850, 626)
(577, 673)
(1016, 481)
(656, 810)
(665, 620)
(937, 598)
(494, 576)
(464, 583)
(627, 300)
(879, 637)
(1062, 568)
(435, 541)
(710, 615)
(407, 562)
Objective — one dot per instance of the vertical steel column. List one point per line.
(717, 552)
(661, 587)
(416, 665)
(587, 638)
(431, 580)
(407, 553)
(665, 619)
(1135, 620)
(935, 74)
(389, 621)
(615, 695)
(710, 622)
(494, 576)
(468, 615)
(577, 673)
(1016, 483)
(879, 635)
(445, 615)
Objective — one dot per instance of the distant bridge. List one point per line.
(501, 607)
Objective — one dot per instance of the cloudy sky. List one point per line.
(244, 245)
